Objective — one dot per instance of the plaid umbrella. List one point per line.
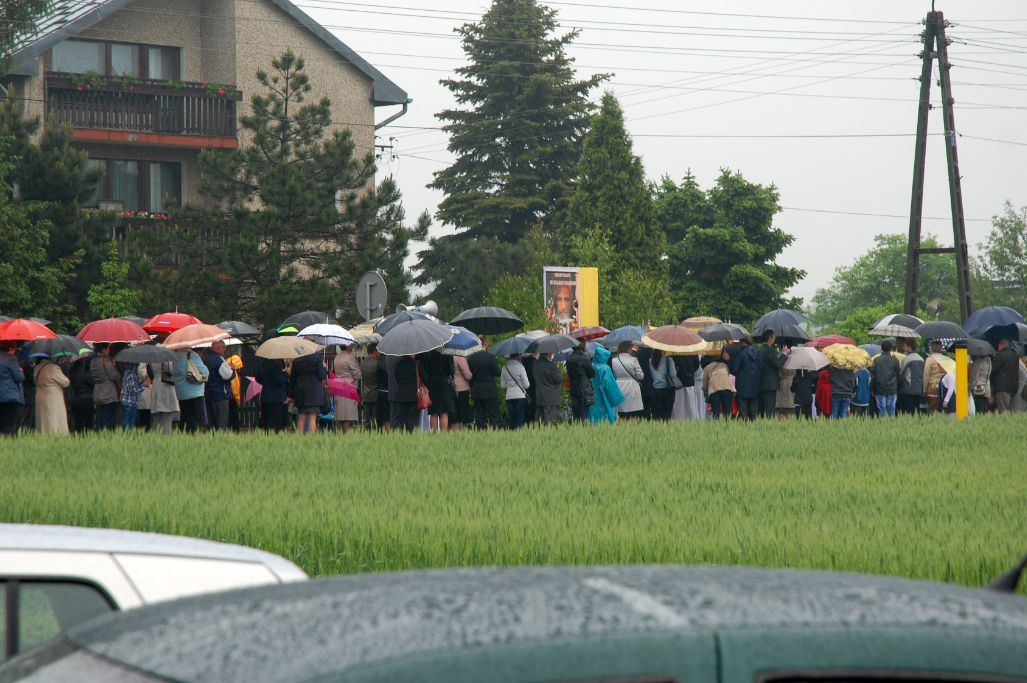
(193, 335)
(894, 330)
(589, 333)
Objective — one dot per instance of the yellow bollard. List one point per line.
(961, 387)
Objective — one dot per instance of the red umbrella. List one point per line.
(589, 333)
(170, 322)
(113, 330)
(24, 330)
(821, 343)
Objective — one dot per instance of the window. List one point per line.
(43, 609)
(117, 59)
(153, 186)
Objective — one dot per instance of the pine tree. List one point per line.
(517, 144)
(682, 207)
(613, 195)
(291, 220)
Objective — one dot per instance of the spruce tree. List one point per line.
(291, 218)
(517, 141)
(614, 196)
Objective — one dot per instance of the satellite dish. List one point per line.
(371, 295)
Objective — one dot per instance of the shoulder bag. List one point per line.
(193, 374)
(423, 398)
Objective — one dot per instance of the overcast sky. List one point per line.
(696, 77)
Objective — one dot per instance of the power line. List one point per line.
(880, 215)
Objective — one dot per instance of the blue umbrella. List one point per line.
(631, 333)
(872, 349)
(983, 318)
(513, 346)
(463, 343)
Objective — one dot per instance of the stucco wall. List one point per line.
(189, 158)
(217, 41)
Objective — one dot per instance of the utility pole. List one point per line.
(936, 46)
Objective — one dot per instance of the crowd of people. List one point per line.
(204, 389)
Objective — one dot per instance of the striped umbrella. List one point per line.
(193, 335)
(894, 330)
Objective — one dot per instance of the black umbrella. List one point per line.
(781, 316)
(147, 353)
(133, 318)
(413, 337)
(511, 347)
(239, 329)
(61, 345)
(723, 332)
(38, 320)
(390, 321)
(975, 347)
(904, 319)
(554, 343)
(791, 335)
(488, 320)
(990, 316)
(941, 330)
(4, 318)
(307, 318)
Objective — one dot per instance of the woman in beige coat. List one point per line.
(347, 411)
(51, 413)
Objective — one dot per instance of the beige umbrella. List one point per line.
(194, 335)
(287, 347)
(674, 340)
(698, 323)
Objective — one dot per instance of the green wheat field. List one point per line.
(925, 498)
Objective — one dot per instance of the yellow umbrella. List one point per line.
(948, 365)
(847, 356)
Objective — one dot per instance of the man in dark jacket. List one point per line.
(547, 380)
(644, 355)
(1005, 376)
(843, 387)
(747, 367)
(82, 409)
(272, 378)
(885, 376)
(770, 379)
(403, 374)
(484, 391)
(580, 371)
(218, 390)
(911, 377)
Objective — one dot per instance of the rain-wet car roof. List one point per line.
(328, 627)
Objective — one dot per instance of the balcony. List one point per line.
(144, 111)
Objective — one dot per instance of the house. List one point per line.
(147, 84)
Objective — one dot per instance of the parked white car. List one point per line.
(55, 577)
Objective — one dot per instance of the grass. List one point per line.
(921, 498)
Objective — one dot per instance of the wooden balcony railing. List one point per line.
(142, 106)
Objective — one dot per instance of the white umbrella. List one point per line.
(806, 358)
(328, 334)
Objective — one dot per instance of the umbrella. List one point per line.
(1014, 332)
(904, 319)
(974, 347)
(61, 345)
(590, 350)
(514, 346)
(287, 347)
(829, 339)
(792, 335)
(328, 334)
(288, 330)
(253, 389)
(489, 320)
(631, 333)
(146, 353)
(463, 343)
(674, 339)
(941, 330)
(873, 349)
(589, 333)
(4, 318)
(388, 322)
(132, 319)
(364, 333)
(700, 322)
(113, 330)
(229, 341)
(306, 318)
(553, 343)
(723, 332)
(238, 329)
(192, 335)
(414, 337)
(847, 356)
(533, 334)
(806, 358)
(781, 316)
(893, 330)
(170, 322)
(990, 316)
(337, 386)
(24, 330)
